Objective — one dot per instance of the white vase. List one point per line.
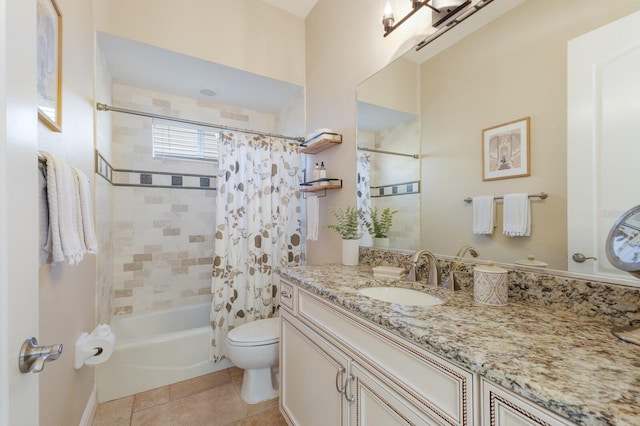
(350, 252)
(381, 242)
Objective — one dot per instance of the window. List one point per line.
(179, 140)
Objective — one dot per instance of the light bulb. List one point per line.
(387, 18)
(388, 12)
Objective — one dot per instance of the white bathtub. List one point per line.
(157, 349)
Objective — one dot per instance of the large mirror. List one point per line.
(513, 67)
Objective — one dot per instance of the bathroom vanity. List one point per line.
(349, 359)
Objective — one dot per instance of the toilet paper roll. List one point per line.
(101, 341)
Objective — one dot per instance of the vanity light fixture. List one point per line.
(441, 11)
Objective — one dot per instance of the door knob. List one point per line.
(580, 258)
(33, 356)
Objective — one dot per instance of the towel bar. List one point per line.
(541, 195)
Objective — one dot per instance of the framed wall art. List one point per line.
(49, 63)
(506, 150)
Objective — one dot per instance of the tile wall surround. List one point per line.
(394, 181)
(164, 209)
(103, 199)
(613, 303)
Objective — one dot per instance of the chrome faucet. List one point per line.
(471, 250)
(434, 270)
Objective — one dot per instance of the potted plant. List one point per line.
(347, 227)
(378, 225)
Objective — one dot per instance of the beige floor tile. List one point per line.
(151, 398)
(237, 375)
(114, 413)
(199, 384)
(269, 417)
(220, 405)
(261, 406)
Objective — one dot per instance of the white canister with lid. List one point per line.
(490, 285)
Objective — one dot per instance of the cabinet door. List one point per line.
(310, 372)
(375, 404)
(503, 408)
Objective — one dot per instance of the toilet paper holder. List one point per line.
(95, 347)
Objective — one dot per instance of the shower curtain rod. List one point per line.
(105, 107)
(416, 156)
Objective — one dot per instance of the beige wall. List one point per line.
(470, 67)
(396, 86)
(67, 293)
(245, 34)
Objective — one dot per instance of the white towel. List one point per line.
(312, 218)
(517, 215)
(67, 238)
(86, 213)
(43, 213)
(483, 215)
(316, 133)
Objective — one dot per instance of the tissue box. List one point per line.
(388, 272)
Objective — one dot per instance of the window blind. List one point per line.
(180, 140)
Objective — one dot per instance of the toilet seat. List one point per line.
(256, 333)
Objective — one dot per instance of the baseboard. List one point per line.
(90, 408)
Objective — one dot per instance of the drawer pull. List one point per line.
(285, 294)
(339, 374)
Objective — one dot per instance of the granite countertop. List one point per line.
(567, 363)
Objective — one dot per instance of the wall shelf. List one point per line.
(320, 142)
(320, 185)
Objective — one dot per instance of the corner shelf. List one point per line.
(320, 142)
(311, 186)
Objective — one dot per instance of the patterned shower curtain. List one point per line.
(363, 194)
(257, 229)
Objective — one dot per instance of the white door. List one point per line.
(18, 209)
(603, 138)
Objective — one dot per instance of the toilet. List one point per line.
(254, 347)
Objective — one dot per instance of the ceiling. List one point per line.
(299, 8)
(148, 67)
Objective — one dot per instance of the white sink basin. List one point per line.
(401, 296)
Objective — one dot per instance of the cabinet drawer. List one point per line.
(438, 386)
(501, 407)
(286, 294)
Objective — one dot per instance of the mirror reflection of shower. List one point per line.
(388, 171)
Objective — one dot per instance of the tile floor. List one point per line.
(212, 399)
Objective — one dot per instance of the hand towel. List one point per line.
(312, 218)
(316, 133)
(86, 225)
(517, 215)
(63, 199)
(43, 214)
(483, 215)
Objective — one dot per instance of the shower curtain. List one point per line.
(258, 229)
(363, 195)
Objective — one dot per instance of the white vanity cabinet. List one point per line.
(310, 372)
(338, 369)
(501, 407)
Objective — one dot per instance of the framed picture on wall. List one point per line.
(506, 150)
(49, 63)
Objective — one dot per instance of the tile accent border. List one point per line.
(152, 179)
(395, 189)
